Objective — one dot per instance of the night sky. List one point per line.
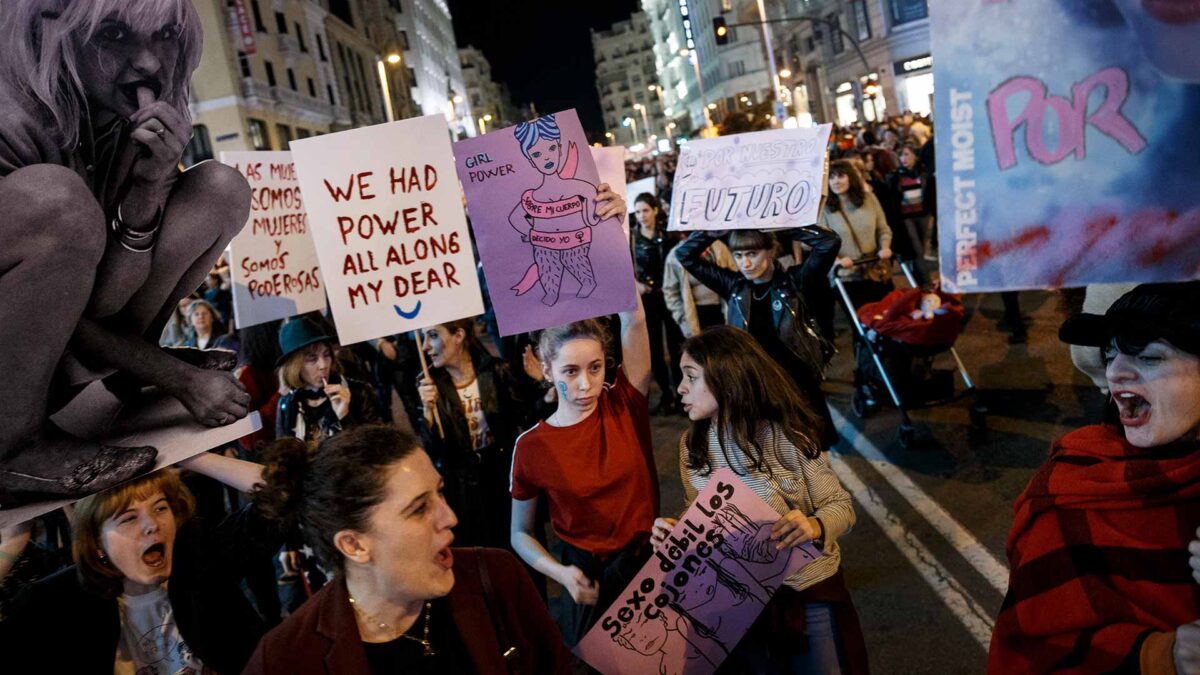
(542, 49)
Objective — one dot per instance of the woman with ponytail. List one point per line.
(372, 506)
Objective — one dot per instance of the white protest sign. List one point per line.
(388, 221)
(610, 164)
(639, 186)
(273, 260)
(762, 180)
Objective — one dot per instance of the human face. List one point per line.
(139, 540)
(443, 347)
(318, 363)
(409, 533)
(202, 319)
(698, 400)
(645, 214)
(754, 264)
(869, 161)
(1157, 392)
(1169, 34)
(119, 59)
(839, 183)
(645, 635)
(546, 155)
(908, 158)
(578, 374)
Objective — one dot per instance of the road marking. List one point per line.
(959, 537)
(973, 616)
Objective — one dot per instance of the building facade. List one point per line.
(427, 38)
(627, 81)
(276, 70)
(889, 72)
(489, 100)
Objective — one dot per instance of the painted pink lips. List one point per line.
(1176, 12)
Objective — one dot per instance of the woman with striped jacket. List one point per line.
(748, 416)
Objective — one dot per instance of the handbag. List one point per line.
(508, 649)
(881, 270)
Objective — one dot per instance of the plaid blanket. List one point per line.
(1098, 552)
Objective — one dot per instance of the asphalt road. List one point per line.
(926, 563)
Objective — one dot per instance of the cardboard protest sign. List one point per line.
(531, 194)
(387, 218)
(639, 186)
(1066, 136)
(273, 260)
(761, 180)
(610, 164)
(690, 605)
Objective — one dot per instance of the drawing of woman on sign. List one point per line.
(557, 215)
(103, 234)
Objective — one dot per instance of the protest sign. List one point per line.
(1066, 135)
(694, 600)
(531, 194)
(610, 164)
(387, 219)
(639, 186)
(761, 180)
(272, 260)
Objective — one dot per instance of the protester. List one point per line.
(319, 401)
(693, 305)
(748, 416)
(650, 247)
(772, 304)
(908, 181)
(103, 234)
(592, 461)
(152, 587)
(258, 352)
(482, 408)
(403, 600)
(858, 219)
(1100, 577)
(205, 330)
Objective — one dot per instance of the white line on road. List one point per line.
(959, 537)
(956, 598)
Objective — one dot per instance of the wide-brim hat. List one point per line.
(1149, 312)
(298, 334)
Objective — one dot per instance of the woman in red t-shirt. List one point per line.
(593, 461)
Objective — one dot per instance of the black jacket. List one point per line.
(363, 408)
(649, 257)
(794, 289)
(63, 628)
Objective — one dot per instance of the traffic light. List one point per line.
(720, 30)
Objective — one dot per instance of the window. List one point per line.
(862, 23)
(281, 23)
(258, 22)
(285, 135)
(836, 40)
(329, 93)
(270, 73)
(302, 133)
(244, 64)
(321, 47)
(199, 148)
(291, 79)
(341, 9)
(312, 88)
(404, 40)
(906, 11)
(737, 68)
(300, 38)
(258, 134)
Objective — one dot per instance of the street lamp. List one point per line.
(392, 58)
(630, 122)
(645, 121)
(785, 73)
(612, 138)
(483, 123)
(694, 57)
(671, 127)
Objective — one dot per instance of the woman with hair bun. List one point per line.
(371, 504)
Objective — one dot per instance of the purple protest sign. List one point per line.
(689, 606)
(531, 196)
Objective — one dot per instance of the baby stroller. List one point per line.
(895, 343)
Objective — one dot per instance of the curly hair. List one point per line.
(528, 133)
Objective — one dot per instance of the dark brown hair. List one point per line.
(471, 343)
(96, 574)
(856, 193)
(333, 487)
(751, 390)
(754, 240)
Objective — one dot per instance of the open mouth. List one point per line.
(1173, 11)
(549, 165)
(129, 90)
(155, 557)
(1135, 410)
(444, 558)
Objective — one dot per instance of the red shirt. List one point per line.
(598, 473)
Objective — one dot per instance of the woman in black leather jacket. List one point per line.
(775, 305)
(651, 244)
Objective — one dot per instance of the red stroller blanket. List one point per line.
(903, 317)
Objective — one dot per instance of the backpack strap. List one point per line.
(508, 649)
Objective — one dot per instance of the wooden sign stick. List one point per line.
(437, 419)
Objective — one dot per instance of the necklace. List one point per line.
(764, 295)
(388, 629)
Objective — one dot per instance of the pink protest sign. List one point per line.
(548, 257)
(691, 604)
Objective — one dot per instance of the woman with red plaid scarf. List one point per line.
(1101, 578)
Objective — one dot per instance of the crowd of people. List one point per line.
(394, 512)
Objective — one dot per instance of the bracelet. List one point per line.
(136, 241)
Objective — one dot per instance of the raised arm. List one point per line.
(691, 256)
(635, 347)
(238, 474)
(824, 245)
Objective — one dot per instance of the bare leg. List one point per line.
(550, 271)
(577, 260)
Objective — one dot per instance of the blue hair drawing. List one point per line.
(528, 133)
